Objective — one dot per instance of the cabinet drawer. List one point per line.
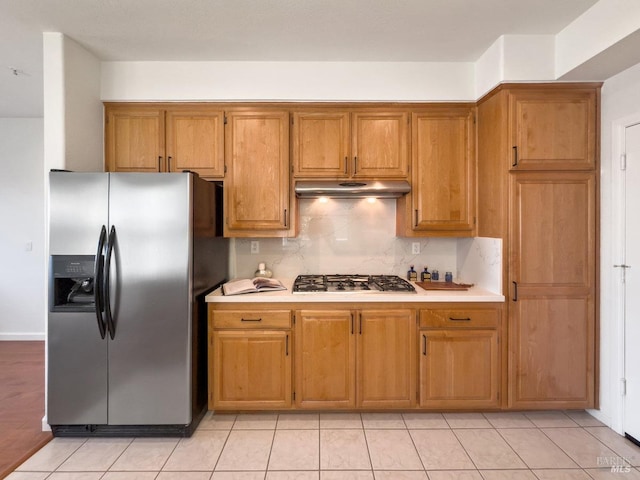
(252, 319)
(461, 318)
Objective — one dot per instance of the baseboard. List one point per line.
(16, 337)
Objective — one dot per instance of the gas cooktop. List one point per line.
(351, 284)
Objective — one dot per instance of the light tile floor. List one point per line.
(353, 446)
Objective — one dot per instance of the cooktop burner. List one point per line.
(351, 283)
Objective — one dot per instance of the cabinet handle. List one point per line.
(424, 345)
(355, 165)
(515, 157)
(285, 217)
(360, 318)
(159, 163)
(168, 164)
(346, 162)
(251, 319)
(415, 218)
(352, 324)
(467, 319)
(286, 346)
(515, 291)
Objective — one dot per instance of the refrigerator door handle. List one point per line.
(107, 280)
(98, 270)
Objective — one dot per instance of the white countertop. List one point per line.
(474, 294)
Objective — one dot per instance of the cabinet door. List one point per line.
(459, 368)
(380, 145)
(386, 364)
(320, 144)
(257, 181)
(134, 140)
(552, 347)
(552, 281)
(195, 141)
(325, 359)
(443, 176)
(251, 369)
(553, 129)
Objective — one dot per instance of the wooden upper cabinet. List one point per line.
(386, 365)
(134, 139)
(553, 129)
(442, 198)
(162, 138)
(380, 145)
(321, 144)
(257, 181)
(325, 359)
(195, 141)
(340, 144)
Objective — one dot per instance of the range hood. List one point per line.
(352, 188)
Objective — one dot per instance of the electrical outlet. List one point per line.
(255, 246)
(415, 248)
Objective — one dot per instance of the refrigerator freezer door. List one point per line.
(77, 370)
(150, 355)
(78, 208)
(77, 355)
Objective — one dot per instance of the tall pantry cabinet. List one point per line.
(537, 190)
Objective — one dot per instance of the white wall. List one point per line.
(73, 125)
(83, 119)
(322, 81)
(620, 99)
(597, 30)
(22, 220)
(514, 58)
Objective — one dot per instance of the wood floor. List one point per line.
(21, 403)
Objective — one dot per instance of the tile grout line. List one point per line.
(563, 450)
(224, 444)
(516, 453)
(364, 433)
(273, 439)
(414, 446)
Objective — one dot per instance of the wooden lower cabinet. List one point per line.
(325, 359)
(459, 368)
(355, 358)
(386, 366)
(551, 341)
(252, 370)
(460, 358)
(282, 356)
(250, 359)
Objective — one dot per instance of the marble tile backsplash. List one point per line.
(356, 236)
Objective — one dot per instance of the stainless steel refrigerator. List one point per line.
(132, 256)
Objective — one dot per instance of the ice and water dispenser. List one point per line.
(71, 287)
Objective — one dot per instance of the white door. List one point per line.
(631, 268)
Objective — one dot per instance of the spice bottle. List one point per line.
(425, 276)
(412, 275)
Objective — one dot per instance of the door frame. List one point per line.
(611, 277)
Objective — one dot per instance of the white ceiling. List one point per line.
(262, 30)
